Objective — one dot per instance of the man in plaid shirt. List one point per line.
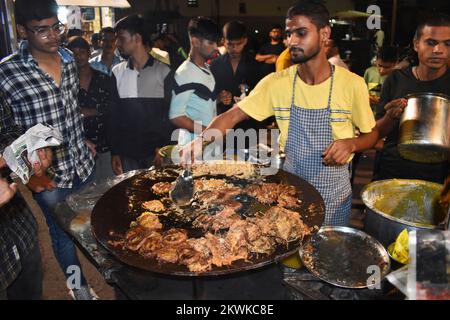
(39, 84)
(20, 257)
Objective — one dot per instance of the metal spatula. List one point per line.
(183, 190)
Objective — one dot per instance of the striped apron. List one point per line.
(309, 134)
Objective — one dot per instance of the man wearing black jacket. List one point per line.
(139, 118)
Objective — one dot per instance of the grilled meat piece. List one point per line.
(174, 237)
(236, 239)
(203, 221)
(262, 245)
(167, 254)
(217, 197)
(287, 225)
(150, 244)
(288, 201)
(162, 188)
(243, 170)
(268, 193)
(224, 219)
(149, 221)
(221, 255)
(134, 237)
(210, 184)
(154, 206)
(195, 255)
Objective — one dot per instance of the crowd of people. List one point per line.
(117, 106)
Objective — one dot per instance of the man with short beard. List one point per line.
(317, 107)
(194, 96)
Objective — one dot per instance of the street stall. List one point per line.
(111, 236)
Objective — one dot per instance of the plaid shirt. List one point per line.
(18, 228)
(34, 97)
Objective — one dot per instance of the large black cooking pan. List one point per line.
(113, 215)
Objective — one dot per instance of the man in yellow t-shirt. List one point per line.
(284, 60)
(317, 107)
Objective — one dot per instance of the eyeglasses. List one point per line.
(44, 31)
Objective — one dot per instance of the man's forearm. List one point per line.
(263, 57)
(385, 125)
(366, 140)
(226, 121)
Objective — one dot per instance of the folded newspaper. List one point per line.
(22, 153)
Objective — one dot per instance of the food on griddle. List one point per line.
(162, 188)
(286, 224)
(210, 184)
(288, 201)
(270, 193)
(134, 237)
(175, 236)
(149, 221)
(221, 254)
(196, 255)
(168, 254)
(203, 221)
(218, 196)
(262, 245)
(227, 236)
(220, 221)
(242, 170)
(154, 206)
(152, 242)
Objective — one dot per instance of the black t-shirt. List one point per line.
(247, 73)
(399, 84)
(269, 48)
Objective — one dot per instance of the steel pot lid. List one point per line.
(345, 257)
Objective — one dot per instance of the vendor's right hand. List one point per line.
(38, 184)
(395, 108)
(190, 152)
(116, 165)
(7, 191)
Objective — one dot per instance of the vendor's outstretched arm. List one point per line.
(184, 123)
(220, 123)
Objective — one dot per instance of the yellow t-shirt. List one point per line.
(284, 60)
(350, 107)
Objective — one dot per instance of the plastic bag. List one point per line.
(86, 198)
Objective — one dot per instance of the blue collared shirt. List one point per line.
(99, 65)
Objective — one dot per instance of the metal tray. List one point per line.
(342, 256)
(112, 214)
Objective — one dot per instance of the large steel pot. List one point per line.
(396, 204)
(425, 128)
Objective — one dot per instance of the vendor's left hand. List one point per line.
(338, 153)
